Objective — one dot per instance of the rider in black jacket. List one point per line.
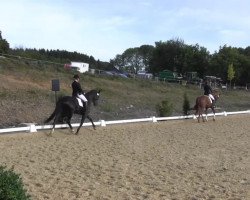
(77, 90)
(208, 91)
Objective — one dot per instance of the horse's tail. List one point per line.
(193, 108)
(51, 117)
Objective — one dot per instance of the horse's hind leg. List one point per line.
(54, 124)
(203, 119)
(202, 114)
(68, 121)
(206, 115)
(199, 114)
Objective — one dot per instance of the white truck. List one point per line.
(78, 66)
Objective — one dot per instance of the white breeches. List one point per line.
(211, 96)
(82, 97)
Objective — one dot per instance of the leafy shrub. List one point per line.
(164, 108)
(11, 186)
(186, 105)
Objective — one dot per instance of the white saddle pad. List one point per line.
(210, 99)
(79, 102)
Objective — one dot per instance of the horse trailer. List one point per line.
(78, 66)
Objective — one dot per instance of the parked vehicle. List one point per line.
(78, 66)
(167, 75)
(192, 77)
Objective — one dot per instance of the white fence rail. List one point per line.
(31, 127)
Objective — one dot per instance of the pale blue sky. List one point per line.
(105, 28)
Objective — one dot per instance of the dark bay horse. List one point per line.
(203, 103)
(67, 106)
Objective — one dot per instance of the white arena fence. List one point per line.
(32, 127)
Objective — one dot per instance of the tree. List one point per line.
(118, 62)
(4, 45)
(146, 52)
(177, 56)
(230, 73)
(167, 55)
(133, 59)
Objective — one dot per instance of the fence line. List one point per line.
(32, 127)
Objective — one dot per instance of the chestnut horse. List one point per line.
(203, 103)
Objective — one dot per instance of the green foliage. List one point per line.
(186, 105)
(4, 45)
(230, 73)
(134, 59)
(11, 186)
(164, 109)
(173, 55)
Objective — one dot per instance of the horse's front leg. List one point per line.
(213, 113)
(81, 123)
(90, 119)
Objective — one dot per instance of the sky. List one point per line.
(105, 28)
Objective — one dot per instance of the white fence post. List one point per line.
(33, 128)
(154, 119)
(103, 123)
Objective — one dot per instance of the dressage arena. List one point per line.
(165, 160)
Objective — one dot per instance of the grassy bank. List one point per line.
(26, 96)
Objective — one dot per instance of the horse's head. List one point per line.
(93, 96)
(216, 94)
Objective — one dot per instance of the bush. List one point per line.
(11, 186)
(186, 105)
(164, 108)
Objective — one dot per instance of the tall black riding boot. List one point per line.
(85, 105)
(213, 104)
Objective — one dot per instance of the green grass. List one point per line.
(120, 98)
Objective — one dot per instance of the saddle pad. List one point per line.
(210, 99)
(79, 102)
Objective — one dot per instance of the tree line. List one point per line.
(179, 57)
(57, 56)
(173, 55)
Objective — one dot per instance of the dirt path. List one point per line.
(165, 160)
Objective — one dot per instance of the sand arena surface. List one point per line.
(165, 160)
